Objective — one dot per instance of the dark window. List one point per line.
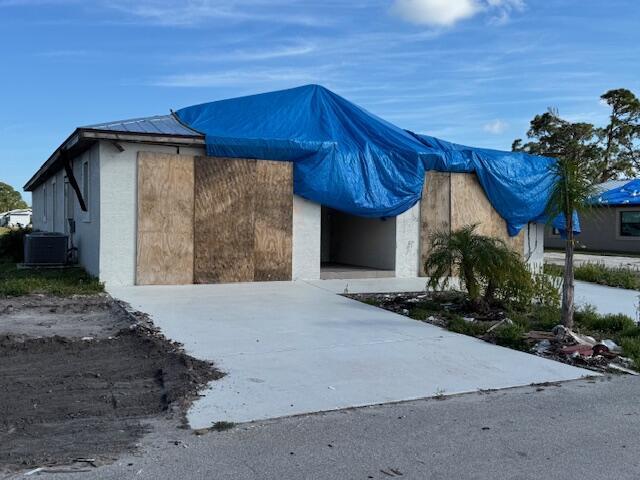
(630, 224)
(555, 231)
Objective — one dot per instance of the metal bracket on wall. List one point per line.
(74, 184)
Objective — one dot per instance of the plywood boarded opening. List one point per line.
(165, 219)
(244, 220)
(213, 220)
(452, 200)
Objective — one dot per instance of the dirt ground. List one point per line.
(82, 379)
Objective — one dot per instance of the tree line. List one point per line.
(603, 152)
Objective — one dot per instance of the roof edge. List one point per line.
(85, 134)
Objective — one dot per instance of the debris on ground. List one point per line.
(81, 379)
(560, 344)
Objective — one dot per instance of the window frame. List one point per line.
(44, 203)
(619, 214)
(85, 168)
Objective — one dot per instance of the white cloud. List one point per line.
(445, 13)
(435, 12)
(495, 127)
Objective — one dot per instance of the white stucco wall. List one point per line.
(87, 236)
(534, 246)
(306, 239)
(408, 242)
(119, 208)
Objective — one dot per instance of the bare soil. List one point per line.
(82, 378)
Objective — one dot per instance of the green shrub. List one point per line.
(510, 336)
(631, 348)
(475, 329)
(12, 244)
(488, 269)
(589, 319)
(545, 317)
(553, 270)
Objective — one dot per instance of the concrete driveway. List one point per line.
(293, 348)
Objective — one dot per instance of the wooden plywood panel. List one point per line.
(435, 210)
(273, 227)
(470, 205)
(165, 219)
(224, 220)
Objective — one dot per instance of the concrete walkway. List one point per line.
(293, 348)
(557, 258)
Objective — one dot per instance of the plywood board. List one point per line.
(273, 227)
(470, 205)
(435, 210)
(224, 220)
(165, 219)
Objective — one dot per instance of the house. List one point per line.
(18, 218)
(613, 222)
(157, 201)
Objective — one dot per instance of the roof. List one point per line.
(159, 124)
(610, 185)
(19, 211)
(159, 129)
(617, 192)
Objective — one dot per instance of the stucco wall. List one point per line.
(408, 242)
(306, 239)
(87, 235)
(119, 208)
(600, 232)
(534, 246)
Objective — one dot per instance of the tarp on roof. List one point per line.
(348, 159)
(626, 194)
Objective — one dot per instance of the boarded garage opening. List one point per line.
(213, 220)
(356, 247)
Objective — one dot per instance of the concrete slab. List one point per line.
(613, 261)
(608, 299)
(293, 348)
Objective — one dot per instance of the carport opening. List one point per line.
(356, 247)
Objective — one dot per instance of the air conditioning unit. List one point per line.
(45, 248)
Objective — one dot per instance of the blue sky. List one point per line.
(469, 71)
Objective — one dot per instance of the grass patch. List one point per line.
(4, 230)
(620, 277)
(54, 281)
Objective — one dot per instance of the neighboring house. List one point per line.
(19, 218)
(613, 222)
(158, 210)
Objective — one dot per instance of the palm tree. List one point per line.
(570, 195)
(482, 262)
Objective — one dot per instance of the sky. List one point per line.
(469, 71)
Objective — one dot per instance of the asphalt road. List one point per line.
(586, 429)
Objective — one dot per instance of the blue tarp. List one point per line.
(627, 194)
(348, 159)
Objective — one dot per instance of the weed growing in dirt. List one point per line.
(222, 426)
(58, 281)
